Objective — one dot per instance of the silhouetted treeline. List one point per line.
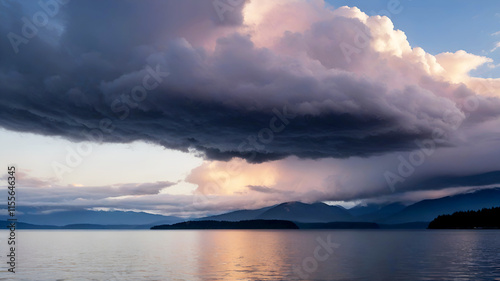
(339, 225)
(485, 218)
(249, 224)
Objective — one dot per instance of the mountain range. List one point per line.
(427, 210)
(292, 211)
(32, 216)
(394, 215)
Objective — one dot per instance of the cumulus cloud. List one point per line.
(336, 83)
(458, 65)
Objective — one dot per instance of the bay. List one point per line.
(254, 255)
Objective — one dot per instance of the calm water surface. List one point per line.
(255, 255)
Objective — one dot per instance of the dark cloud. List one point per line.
(441, 182)
(238, 100)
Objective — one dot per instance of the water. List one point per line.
(255, 255)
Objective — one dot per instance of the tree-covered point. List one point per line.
(485, 218)
(248, 224)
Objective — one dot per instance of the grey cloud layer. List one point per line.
(39, 192)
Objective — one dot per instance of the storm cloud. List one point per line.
(173, 73)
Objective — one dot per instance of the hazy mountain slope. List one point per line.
(427, 210)
(238, 215)
(381, 212)
(301, 212)
(359, 210)
(292, 211)
(94, 217)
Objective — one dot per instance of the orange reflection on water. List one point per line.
(244, 255)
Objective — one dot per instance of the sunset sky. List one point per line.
(199, 107)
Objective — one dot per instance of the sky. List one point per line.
(191, 108)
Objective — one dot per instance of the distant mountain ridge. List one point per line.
(238, 215)
(393, 215)
(427, 210)
(396, 213)
(62, 218)
(291, 211)
(374, 212)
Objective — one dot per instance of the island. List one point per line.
(339, 225)
(265, 224)
(247, 224)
